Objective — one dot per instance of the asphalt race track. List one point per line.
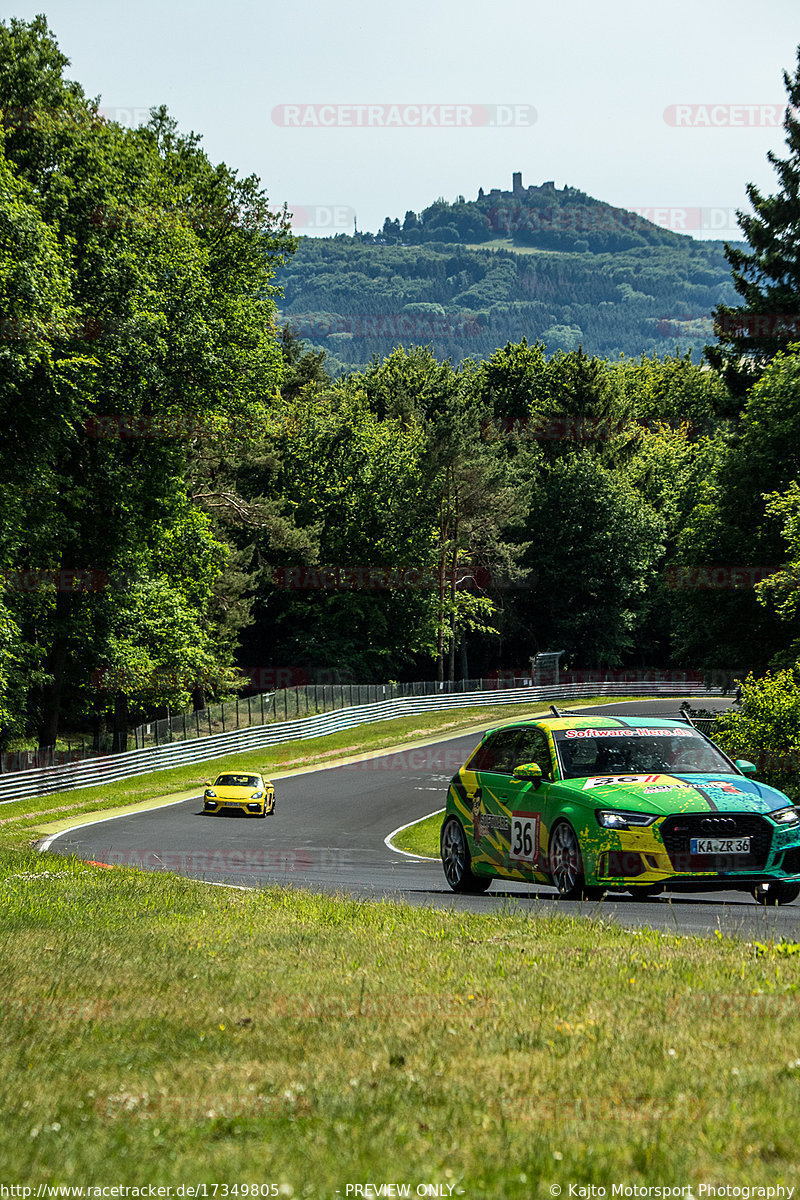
(328, 833)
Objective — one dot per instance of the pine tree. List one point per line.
(768, 277)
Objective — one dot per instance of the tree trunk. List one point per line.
(120, 740)
(451, 663)
(98, 732)
(50, 710)
(442, 573)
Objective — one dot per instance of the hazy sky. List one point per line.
(348, 108)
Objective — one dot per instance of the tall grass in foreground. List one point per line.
(159, 1030)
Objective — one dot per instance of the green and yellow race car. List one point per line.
(595, 804)
(248, 793)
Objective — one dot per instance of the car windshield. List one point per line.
(640, 751)
(236, 781)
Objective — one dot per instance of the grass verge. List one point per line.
(158, 1030)
(21, 819)
(422, 837)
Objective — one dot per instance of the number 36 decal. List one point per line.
(525, 836)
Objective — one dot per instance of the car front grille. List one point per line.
(677, 832)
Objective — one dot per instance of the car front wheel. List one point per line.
(456, 860)
(776, 893)
(566, 865)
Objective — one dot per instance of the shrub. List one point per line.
(766, 728)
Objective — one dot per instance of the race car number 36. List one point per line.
(525, 836)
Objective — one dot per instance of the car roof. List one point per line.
(584, 722)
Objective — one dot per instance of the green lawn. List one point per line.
(510, 245)
(158, 1030)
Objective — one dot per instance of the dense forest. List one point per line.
(192, 489)
(356, 298)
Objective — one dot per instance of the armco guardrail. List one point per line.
(111, 767)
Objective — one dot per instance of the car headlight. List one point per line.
(613, 818)
(786, 816)
(211, 794)
(256, 795)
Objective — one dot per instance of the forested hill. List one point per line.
(542, 263)
(542, 216)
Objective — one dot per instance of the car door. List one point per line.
(493, 764)
(526, 803)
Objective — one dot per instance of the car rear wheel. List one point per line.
(776, 893)
(566, 865)
(456, 860)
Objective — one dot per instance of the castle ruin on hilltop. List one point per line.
(518, 190)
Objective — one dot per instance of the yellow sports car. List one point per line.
(252, 794)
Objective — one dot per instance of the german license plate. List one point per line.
(720, 845)
(232, 804)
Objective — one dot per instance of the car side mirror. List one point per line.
(528, 773)
(207, 783)
(747, 768)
